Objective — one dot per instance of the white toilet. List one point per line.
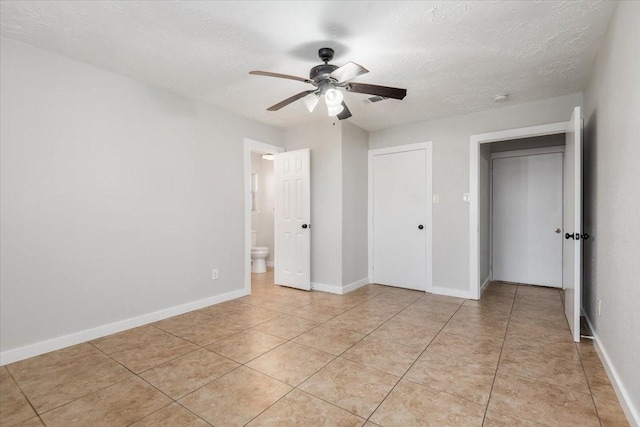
(258, 255)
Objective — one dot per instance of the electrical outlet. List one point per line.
(599, 308)
(214, 274)
(466, 197)
(436, 199)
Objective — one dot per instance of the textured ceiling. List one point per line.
(452, 56)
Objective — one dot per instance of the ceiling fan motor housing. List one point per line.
(321, 72)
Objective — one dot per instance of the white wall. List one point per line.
(355, 152)
(324, 140)
(117, 198)
(450, 138)
(612, 199)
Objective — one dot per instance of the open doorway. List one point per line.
(480, 273)
(262, 206)
(258, 202)
(479, 215)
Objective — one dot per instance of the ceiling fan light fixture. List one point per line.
(334, 111)
(333, 98)
(328, 81)
(310, 101)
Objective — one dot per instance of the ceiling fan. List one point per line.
(328, 79)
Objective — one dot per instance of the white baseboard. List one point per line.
(630, 411)
(322, 287)
(53, 344)
(459, 293)
(485, 284)
(337, 289)
(355, 285)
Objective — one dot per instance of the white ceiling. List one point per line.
(451, 56)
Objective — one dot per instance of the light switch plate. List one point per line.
(466, 197)
(436, 199)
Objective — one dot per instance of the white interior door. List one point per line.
(572, 247)
(293, 219)
(527, 219)
(400, 224)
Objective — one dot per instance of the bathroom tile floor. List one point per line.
(378, 356)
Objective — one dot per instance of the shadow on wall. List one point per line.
(172, 104)
(589, 220)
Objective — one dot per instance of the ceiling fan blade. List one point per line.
(386, 91)
(288, 101)
(281, 76)
(344, 114)
(348, 71)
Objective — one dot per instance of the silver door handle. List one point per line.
(557, 230)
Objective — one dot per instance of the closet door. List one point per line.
(400, 223)
(527, 219)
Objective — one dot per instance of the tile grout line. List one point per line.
(504, 339)
(530, 378)
(39, 414)
(297, 387)
(414, 362)
(407, 370)
(23, 393)
(584, 371)
(153, 367)
(290, 340)
(306, 379)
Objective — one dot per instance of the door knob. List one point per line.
(576, 236)
(557, 230)
(304, 226)
(421, 226)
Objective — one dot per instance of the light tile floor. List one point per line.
(378, 356)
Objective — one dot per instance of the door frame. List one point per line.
(428, 147)
(251, 146)
(525, 152)
(477, 283)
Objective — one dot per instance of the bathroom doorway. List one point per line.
(262, 206)
(259, 206)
